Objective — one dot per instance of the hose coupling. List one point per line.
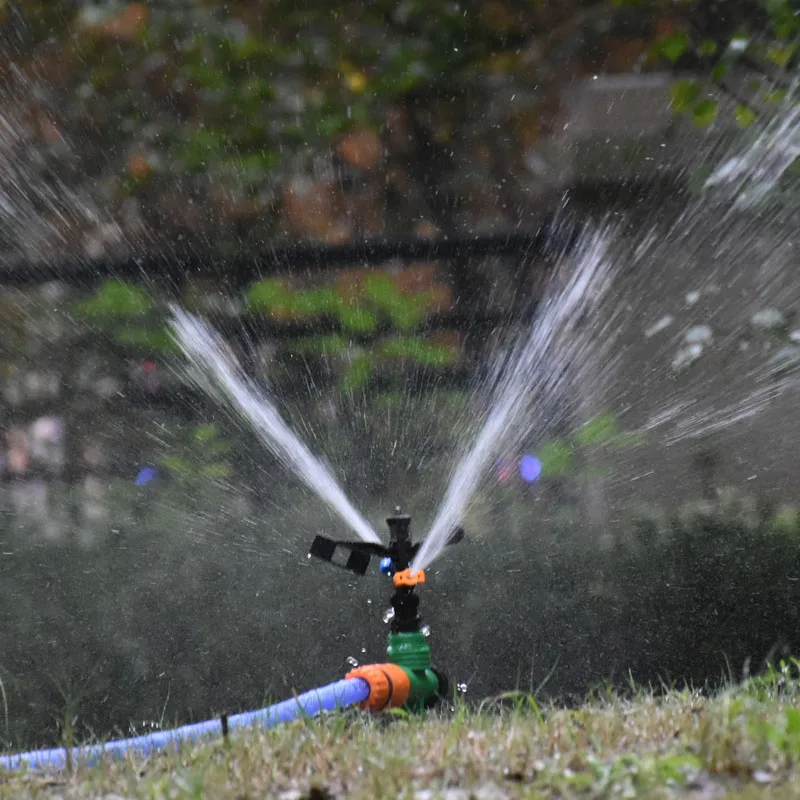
(389, 685)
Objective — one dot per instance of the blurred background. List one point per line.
(235, 158)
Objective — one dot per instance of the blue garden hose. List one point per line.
(334, 696)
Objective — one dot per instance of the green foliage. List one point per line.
(704, 112)
(707, 48)
(309, 303)
(358, 374)
(357, 320)
(202, 148)
(332, 345)
(272, 296)
(396, 349)
(236, 91)
(235, 75)
(674, 45)
(558, 456)
(128, 314)
(113, 300)
(687, 97)
(266, 295)
(775, 681)
(783, 18)
(787, 521)
(406, 311)
(600, 430)
(378, 302)
(378, 307)
(685, 94)
(357, 314)
(150, 340)
(202, 455)
(416, 350)
(781, 56)
(745, 116)
(781, 734)
(205, 433)
(776, 24)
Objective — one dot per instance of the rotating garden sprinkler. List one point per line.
(408, 679)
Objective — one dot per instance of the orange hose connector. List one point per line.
(407, 579)
(389, 685)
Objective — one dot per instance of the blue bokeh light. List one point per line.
(146, 474)
(530, 468)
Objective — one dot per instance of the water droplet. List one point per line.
(389, 615)
(768, 319)
(425, 630)
(659, 326)
(687, 356)
(699, 334)
(461, 688)
(352, 661)
(738, 44)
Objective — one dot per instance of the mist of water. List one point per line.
(754, 174)
(733, 251)
(217, 372)
(717, 239)
(743, 238)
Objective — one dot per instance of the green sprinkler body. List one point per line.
(407, 644)
(408, 680)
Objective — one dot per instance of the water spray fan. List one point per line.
(408, 678)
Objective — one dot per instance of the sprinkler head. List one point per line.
(408, 650)
(395, 557)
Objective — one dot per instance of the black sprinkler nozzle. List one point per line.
(356, 556)
(400, 550)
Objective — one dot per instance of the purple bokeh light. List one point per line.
(146, 474)
(530, 468)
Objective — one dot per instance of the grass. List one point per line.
(741, 742)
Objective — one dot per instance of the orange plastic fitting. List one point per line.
(389, 685)
(407, 579)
